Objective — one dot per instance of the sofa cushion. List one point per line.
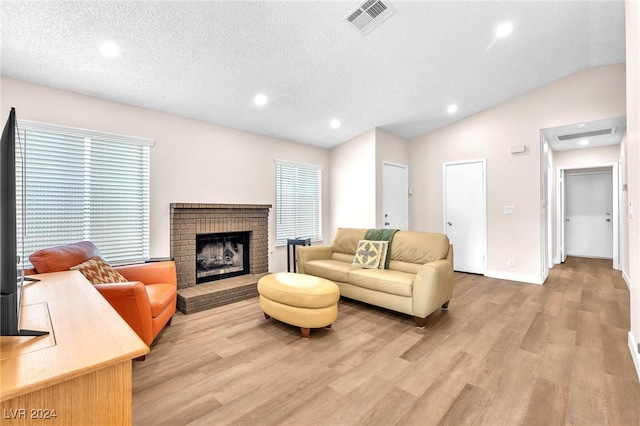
(333, 270)
(97, 271)
(346, 240)
(370, 254)
(384, 280)
(342, 257)
(419, 247)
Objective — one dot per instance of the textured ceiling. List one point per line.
(207, 59)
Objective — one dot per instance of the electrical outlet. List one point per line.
(512, 263)
(509, 210)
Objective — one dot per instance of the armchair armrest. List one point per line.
(432, 287)
(308, 253)
(130, 300)
(150, 273)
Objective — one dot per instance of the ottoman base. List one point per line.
(303, 331)
(305, 318)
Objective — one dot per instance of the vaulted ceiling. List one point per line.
(208, 59)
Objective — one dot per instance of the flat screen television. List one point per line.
(11, 271)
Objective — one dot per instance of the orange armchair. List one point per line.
(147, 302)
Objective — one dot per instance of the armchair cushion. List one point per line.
(160, 296)
(97, 271)
(61, 258)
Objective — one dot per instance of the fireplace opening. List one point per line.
(221, 255)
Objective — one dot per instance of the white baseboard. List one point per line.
(530, 279)
(633, 348)
(626, 279)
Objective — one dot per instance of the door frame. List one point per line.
(560, 210)
(483, 161)
(406, 187)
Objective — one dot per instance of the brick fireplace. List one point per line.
(187, 220)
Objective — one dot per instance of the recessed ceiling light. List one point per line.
(452, 108)
(584, 142)
(109, 49)
(260, 99)
(504, 29)
(335, 123)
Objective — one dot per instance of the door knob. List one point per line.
(386, 223)
(449, 223)
(608, 220)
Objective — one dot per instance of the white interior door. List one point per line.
(464, 214)
(589, 215)
(395, 196)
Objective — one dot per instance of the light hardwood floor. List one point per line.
(504, 354)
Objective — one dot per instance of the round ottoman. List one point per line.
(298, 299)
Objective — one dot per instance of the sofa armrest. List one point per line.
(308, 253)
(150, 273)
(130, 300)
(432, 287)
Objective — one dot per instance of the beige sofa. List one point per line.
(418, 282)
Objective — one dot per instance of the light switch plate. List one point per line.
(509, 210)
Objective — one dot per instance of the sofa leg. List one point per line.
(445, 307)
(420, 322)
(328, 327)
(267, 316)
(169, 322)
(305, 332)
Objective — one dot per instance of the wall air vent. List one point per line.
(584, 135)
(369, 15)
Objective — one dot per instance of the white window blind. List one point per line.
(86, 185)
(298, 201)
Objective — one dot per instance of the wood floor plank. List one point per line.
(467, 408)
(504, 353)
(513, 391)
(389, 410)
(586, 403)
(443, 391)
(547, 405)
(616, 360)
(623, 400)
(536, 337)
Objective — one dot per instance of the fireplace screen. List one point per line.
(222, 255)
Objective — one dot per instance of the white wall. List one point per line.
(586, 157)
(591, 94)
(192, 161)
(353, 183)
(632, 18)
(393, 149)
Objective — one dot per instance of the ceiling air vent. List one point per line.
(584, 135)
(369, 15)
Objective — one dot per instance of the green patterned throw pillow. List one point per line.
(369, 254)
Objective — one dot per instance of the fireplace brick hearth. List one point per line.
(189, 219)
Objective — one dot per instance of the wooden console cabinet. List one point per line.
(79, 374)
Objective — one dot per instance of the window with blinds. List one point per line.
(298, 201)
(85, 185)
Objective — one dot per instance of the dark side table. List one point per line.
(293, 243)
